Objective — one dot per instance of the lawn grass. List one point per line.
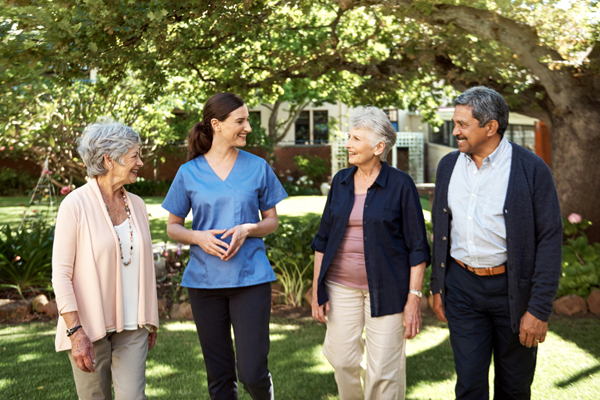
(568, 363)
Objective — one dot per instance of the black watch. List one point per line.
(71, 331)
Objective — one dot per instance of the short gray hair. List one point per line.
(106, 136)
(374, 121)
(487, 105)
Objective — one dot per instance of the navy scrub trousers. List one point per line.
(248, 310)
(478, 315)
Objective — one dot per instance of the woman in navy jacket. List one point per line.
(371, 252)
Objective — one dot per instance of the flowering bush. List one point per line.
(580, 259)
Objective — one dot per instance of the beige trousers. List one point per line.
(384, 376)
(120, 357)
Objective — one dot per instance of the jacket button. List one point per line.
(444, 238)
(505, 211)
(441, 290)
(445, 210)
(442, 265)
(366, 205)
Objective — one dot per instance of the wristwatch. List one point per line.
(71, 331)
(416, 293)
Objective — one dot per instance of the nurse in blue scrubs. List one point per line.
(228, 276)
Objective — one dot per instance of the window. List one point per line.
(392, 114)
(320, 127)
(311, 127)
(303, 128)
(443, 135)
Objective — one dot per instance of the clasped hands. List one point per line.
(208, 241)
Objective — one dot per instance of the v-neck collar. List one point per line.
(230, 171)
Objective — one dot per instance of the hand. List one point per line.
(209, 243)
(532, 330)
(151, 339)
(412, 317)
(319, 312)
(82, 350)
(238, 234)
(438, 308)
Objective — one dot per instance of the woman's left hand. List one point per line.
(412, 317)
(238, 234)
(151, 339)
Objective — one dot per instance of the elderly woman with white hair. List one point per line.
(103, 270)
(371, 252)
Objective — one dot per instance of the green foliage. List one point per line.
(580, 261)
(15, 182)
(149, 187)
(289, 250)
(314, 167)
(26, 259)
(295, 279)
(307, 181)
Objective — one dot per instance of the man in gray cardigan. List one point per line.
(496, 251)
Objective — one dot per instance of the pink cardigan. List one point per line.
(86, 265)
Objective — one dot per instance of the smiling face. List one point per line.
(477, 141)
(235, 128)
(359, 148)
(131, 163)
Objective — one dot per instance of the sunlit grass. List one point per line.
(568, 363)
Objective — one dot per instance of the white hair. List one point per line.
(106, 136)
(377, 124)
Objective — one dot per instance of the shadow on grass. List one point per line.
(30, 368)
(577, 377)
(583, 332)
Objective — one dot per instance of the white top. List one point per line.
(476, 200)
(129, 275)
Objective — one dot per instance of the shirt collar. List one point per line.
(381, 178)
(496, 155)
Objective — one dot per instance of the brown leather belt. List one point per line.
(490, 271)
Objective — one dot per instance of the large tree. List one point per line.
(543, 56)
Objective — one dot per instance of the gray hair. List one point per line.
(374, 121)
(106, 136)
(487, 105)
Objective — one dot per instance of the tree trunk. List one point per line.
(575, 163)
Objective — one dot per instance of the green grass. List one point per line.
(568, 363)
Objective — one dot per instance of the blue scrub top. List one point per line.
(251, 186)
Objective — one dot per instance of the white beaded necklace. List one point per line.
(125, 263)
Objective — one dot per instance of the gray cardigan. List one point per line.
(533, 234)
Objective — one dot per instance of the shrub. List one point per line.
(307, 180)
(26, 259)
(580, 272)
(289, 250)
(15, 182)
(146, 187)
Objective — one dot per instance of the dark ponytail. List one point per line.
(219, 106)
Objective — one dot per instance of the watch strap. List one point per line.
(71, 331)
(416, 293)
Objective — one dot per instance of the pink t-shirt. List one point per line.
(348, 265)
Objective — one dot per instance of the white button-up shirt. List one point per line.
(476, 201)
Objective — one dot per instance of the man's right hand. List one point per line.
(438, 308)
(82, 350)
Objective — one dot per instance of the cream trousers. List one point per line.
(120, 358)
(384, 376)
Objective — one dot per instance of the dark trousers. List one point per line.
(248, 310)
(479, 320)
